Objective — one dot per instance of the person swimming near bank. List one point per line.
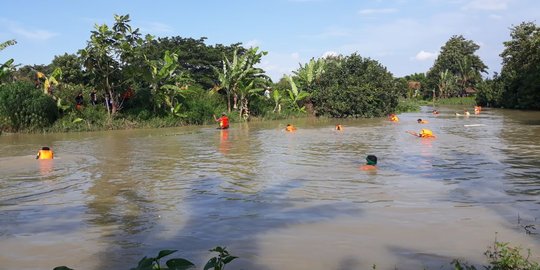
(435, 112)
(45, 153)
(477, 109)
(394, 118)
(290, 128)
(424, 133)
(339, 127)
(223, 121)
(420, 121)
(371, 162)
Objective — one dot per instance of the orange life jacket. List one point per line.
(224, 122)
(423, 122)
(426, 133)
(394, 118)
(45, 154)
(290, 128)
(368, 167)
(339, 127)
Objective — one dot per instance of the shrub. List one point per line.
(23, 107)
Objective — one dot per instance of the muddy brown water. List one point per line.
(277, 200)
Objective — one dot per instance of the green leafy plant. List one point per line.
(219, 262)
(150, 263)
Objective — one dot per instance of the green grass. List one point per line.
(466, 101)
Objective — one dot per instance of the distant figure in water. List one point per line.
(45, 153)
(435, 112)
(290, 128)
(223, 121)
(424, 133)
(394, 118)
(339, 127)
(371, 162)
(477, 109)
(420, 121)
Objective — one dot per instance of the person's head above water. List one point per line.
(45, 148)
(371, 160)
(419, 120)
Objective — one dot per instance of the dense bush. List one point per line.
(23, 107)
(200, 105)
(353, 86)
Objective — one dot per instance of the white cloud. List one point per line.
(329, 54)
(156, 28)
(33, 34)
(36, 34)
(495, 17)
(295, 56)
(377, 11)
(487, 5)
(423, 56)
(253, 43)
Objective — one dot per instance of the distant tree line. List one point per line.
(125, 77)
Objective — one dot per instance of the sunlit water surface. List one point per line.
(277, 200)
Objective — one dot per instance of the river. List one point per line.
(277, 200)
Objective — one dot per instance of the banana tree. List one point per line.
(167, 84)
(296, 96)
(446, 82)
(277, 98)
(49, 82)
(6, 68)
(246, 90)
(233, 73)
(310, 74)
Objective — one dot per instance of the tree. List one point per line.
(167, 84)
(521, 67)
(458, 57)
(295, 95)
(354, 86)
(446, 83)
(108, 55)
(241, 69)
(6, 68)
(72, 68)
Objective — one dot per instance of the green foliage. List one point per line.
(240, 70)
(219, 262)
(458, 57)
(23, 107)
(501, 256)
(521, 68)
(6, 68)
(408, 105)
(465, 101)
(151, 263)
(108, 57)
(353, 86)
(72, 68)
(490, 92)
(201, 105)
(295, 96)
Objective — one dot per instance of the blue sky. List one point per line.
(403, 35)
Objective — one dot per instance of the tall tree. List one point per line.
(459, 58)
(240, 69)
(108, 56)
(354, 86)
(521, 67)
(72, 68)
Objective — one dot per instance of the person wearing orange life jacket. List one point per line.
(371, 162)
(223, 121)
(339, 127)
(45, 153)
(394, 118)
(290, 128)
(424, 133)
(420, 121)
